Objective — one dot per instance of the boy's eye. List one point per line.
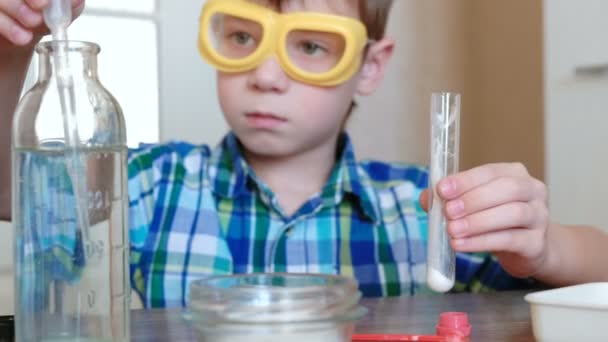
(312, 48)
(241, 38)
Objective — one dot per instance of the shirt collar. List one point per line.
(228, 169)
(230, 176)
(348, 178)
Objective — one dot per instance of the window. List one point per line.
(131, 6)
(128, 62)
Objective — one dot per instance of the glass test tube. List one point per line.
(445, 136)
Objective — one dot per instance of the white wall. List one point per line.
(189, 107)
(576, 112)
(393, 124)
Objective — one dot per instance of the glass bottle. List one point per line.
(70, 206)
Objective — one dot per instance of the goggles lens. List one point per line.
(315, 52)
(234, 37)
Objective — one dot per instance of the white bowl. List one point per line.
(573, 313)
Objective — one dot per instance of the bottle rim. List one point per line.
(48, 47)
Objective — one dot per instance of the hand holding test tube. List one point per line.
(445, 136)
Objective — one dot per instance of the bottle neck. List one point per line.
(81, 60)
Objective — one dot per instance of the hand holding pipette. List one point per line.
(24, 23)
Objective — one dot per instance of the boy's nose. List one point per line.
(269, 76)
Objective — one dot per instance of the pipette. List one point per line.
(445, 127)
(58, 16)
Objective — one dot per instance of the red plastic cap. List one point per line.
(454, 323)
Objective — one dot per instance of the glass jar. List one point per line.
(275, 308)
(70, 204)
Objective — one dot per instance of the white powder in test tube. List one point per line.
(438, 281)
(435, 279)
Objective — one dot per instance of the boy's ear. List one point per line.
(376, 60)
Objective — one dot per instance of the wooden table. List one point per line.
(503, 316)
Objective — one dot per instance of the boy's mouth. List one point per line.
(264, 120)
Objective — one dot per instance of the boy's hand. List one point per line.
(21, 21)
(497, 208)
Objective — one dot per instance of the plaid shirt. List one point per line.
(196, 212)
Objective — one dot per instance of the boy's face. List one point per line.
(276, 116)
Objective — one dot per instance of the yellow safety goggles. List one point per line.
(315, 48)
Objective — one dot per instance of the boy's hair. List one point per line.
(374, 15)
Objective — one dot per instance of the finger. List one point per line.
(455, 185)
(37, 5)
(28, 17)
(40, 5)
(494, 193)
(77, 7)
(424, 200)
(521, 241)
(21, 13)
(14, 32)
(514, 214)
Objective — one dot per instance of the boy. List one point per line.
(283, 191)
